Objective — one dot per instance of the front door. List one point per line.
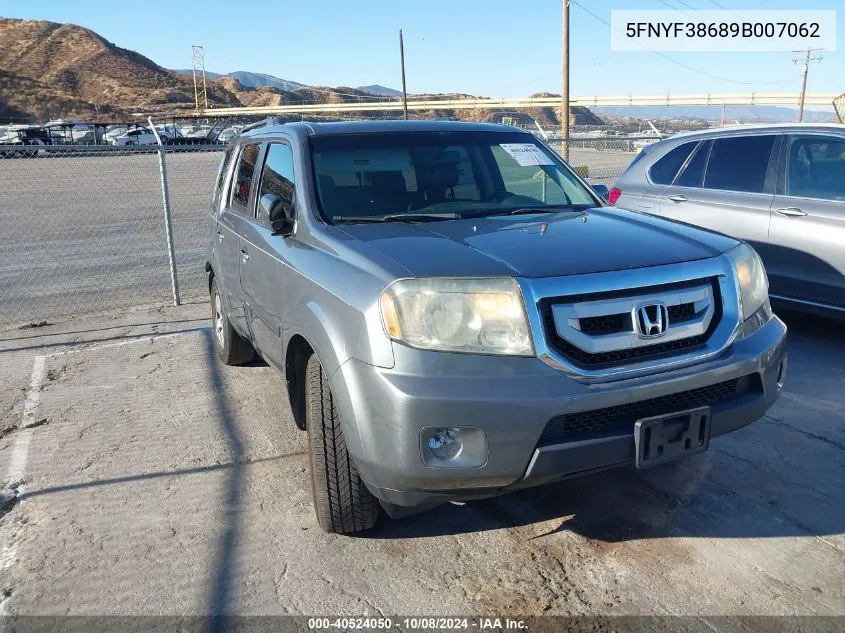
(264, 256)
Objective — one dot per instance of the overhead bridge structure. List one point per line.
(768, 99)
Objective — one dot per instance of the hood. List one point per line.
(541, 245)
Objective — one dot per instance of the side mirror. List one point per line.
(277, 213)
(601, 191)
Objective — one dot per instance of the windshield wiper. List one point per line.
(528, 210)
(399, 217)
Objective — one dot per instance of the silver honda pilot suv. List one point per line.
(456, 314)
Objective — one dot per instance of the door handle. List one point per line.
(791, 212)
(244, 255)
(219, 236)
(678, 198)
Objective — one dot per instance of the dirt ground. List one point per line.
(153, 480)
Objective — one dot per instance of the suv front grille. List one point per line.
(620, 420)
(622, 322)
(621, 356)
(681, 312)
(591, 331)
(607, 324)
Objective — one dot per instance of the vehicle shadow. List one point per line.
(781, 476)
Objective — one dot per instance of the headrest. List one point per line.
(389, 180)
(443, 176)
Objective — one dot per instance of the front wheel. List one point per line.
(342, 501)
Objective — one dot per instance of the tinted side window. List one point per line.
(816, 167)
(693, 173)
(277, 176)
(739, 164)
(221, 173)
(664, 170)
(242, 184)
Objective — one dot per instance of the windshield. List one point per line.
(435, 175)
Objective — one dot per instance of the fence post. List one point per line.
(168, 224)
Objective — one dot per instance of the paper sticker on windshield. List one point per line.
(527, 154)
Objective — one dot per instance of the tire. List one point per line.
(232, 348)
(341, 500)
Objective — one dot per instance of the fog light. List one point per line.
(445, 444)
(453, 447)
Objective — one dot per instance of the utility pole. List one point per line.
(402, 61)
(564, 96)
(806, 62)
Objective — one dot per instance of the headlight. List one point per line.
(751, 278)
(480, 316)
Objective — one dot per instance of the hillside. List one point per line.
(258, 80)
(50, 70)
(248, 79)
(65, 70)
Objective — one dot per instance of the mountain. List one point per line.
(381, 91)
(250, 80)
(188, 72)
(51, 71)
(54, 70)
(744, 114)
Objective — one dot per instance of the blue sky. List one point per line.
(493, 48)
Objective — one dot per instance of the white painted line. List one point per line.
(20, 450)
(33, 392)
(17, 465)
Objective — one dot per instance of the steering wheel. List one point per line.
(811, 165)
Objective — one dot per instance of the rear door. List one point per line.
(644, 192)
(727, 185)
(808, 221)
(230, 225)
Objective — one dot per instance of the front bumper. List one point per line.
(513, 399)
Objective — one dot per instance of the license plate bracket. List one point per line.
(664, 438)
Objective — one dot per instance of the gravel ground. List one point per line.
(159, 482)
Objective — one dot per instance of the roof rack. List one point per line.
(270, 120)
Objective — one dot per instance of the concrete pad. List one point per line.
(162, 482)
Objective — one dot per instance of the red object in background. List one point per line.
(613, 195)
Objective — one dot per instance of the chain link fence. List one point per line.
(602, 160)
(82, 229)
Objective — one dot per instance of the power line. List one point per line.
(681, 64)
(690, 7)
(674, 8)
